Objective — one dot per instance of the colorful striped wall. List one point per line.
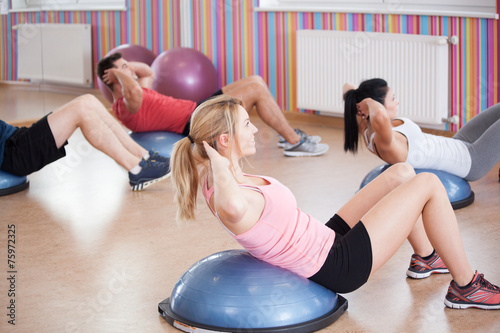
(268, 41)
(242, 42)
(153, 24)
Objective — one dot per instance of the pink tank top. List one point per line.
(284, 235)
(158, 112)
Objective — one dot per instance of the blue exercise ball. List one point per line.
(160, 141)
(458, 189)
(10, 183)
(232, 290)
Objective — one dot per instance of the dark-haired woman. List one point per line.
(371, 112)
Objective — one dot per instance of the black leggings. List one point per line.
(349, 262)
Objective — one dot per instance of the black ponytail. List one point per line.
(375, 89)
(351, 128)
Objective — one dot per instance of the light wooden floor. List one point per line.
(92, 256)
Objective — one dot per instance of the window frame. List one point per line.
(67, 5)
(457, 8)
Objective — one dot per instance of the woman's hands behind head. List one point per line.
(216, 159)
(363, 108)
(369, 108)
(346, 87)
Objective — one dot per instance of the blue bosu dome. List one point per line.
(458, 189)
(233, 290)
(10, 183)
(160, 141)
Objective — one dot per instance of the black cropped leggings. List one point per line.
(349, 262)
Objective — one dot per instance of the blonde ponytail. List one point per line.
(185, 179)
(189, 161)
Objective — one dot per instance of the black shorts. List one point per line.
(188, 125)
(31, 148)
(349, 262)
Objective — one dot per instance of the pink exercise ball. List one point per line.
(184, 73)
(130, 52)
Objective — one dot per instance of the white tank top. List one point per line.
(427, 151)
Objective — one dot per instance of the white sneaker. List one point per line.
(282, 143)
(306, 148)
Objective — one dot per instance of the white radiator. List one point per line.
(415, 67)
(55, 53)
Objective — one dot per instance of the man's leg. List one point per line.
(105, 134)
(253, 91)
(98, 127)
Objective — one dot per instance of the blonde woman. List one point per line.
(262, 214)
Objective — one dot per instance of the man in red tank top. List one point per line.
(141, 109)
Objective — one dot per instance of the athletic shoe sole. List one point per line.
(470, 305)
(142, 186)
(417, 275)
(303, 153)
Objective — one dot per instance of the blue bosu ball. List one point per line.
(10, 183)
(160, 141)
(233, 291)
(458, 189)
